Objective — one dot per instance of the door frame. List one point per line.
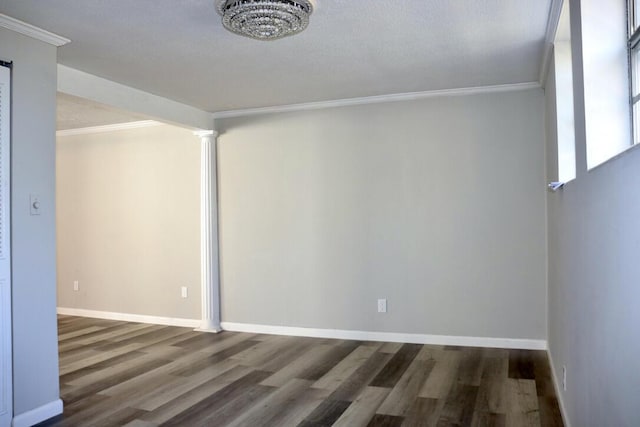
(6, 351)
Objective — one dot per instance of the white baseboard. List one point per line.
(38, 415)
(559, 391)
(138, 318)
(525, 344)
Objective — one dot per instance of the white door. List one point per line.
(6, 390)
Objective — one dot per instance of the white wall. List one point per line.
(35, 356)
(128, 221)
(437, 205)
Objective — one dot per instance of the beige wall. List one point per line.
(437, 205)
(128, 221)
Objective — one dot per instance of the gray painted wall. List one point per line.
(35, 355)
(594, 240)
(437, 205)
(129, 221)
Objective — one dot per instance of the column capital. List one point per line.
(209, 134)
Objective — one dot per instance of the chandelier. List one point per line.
(265, 19)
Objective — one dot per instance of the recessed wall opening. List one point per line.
(127, 204)
(606, 82)
(564, 98)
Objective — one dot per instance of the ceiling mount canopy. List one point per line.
(265, 19)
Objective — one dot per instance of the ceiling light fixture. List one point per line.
(265, 19)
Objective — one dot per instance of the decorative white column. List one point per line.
(209, 261)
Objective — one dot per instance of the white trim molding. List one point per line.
(555, 11)
(511, 343)
(552, 27)
(6, 353)
(410, 96)
(32, 31)
(126, 317)
(38, 415)
(108, 128)
(558, 389)
(546, 61)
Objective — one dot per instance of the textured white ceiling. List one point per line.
(352, 48)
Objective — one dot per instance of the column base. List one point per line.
(208, 325)
(211, 331)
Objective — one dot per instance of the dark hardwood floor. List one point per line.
(118, 373)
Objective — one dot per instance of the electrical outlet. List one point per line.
(382, 306)
(76, 286)
(564, 378)
(183, 292)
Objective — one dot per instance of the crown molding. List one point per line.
(108, 128)
(409, 96)
(32, 31)
(552, 27)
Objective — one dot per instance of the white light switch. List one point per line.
(382, 306)
(183, 292)
(34, 204)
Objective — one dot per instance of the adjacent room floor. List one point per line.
(117, 373)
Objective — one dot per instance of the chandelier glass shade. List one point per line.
(265, 19)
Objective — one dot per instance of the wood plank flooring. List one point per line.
(127, 374)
